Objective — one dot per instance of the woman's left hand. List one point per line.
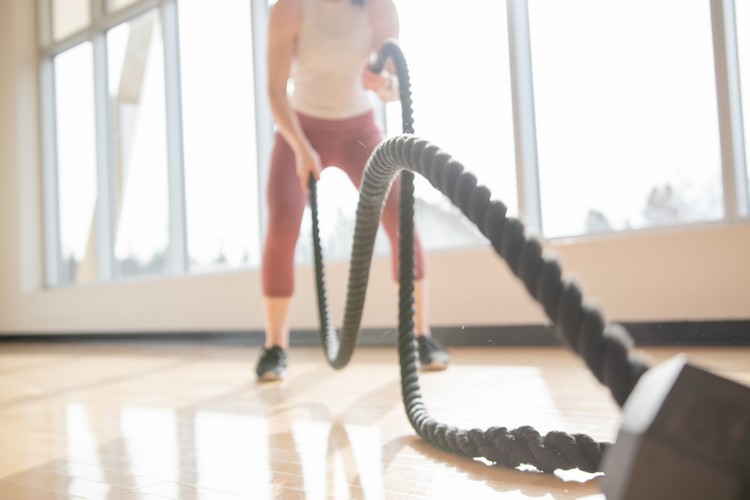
(376, 81)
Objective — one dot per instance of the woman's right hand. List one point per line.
(308, 162)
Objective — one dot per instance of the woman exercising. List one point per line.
(325, 47)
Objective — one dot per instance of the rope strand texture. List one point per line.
(339, 346)
(606, 348)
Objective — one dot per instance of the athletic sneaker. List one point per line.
(432, 355)
(272, 364)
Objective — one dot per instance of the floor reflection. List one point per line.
(197, 430)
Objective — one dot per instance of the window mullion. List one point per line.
(178, 260)
(729, 103)
(522, 88)
(104, 161)
(263, 119)
(53, 254)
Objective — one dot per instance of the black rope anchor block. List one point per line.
(685, 434)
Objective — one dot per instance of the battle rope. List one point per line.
(340, 347)
(605, 347)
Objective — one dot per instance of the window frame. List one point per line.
(95, 33)
(729, 100)
(728, 94)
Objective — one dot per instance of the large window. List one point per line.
(155, 137)
(76, 160)
(583, 116)
(118, 4)
(462, 102)
(219, 133)
(69, 16)
(137, 95)
(626, 114)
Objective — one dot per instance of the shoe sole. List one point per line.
(435, 366)
(270, 377)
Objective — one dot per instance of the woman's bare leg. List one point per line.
(277, 321)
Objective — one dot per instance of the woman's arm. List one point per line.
(385, 25)
(384, 20)
(284, 23)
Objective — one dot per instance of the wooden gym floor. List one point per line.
(119, 421)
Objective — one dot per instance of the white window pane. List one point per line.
(76, 162)
(69, 16)
(742, 13)
(136, 77)
(460, 76)
(221, 179)
(118, 4)
(627, 123)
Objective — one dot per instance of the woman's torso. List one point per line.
(333, 47)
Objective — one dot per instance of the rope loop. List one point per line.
(579, 324)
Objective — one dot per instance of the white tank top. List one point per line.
(333, 47)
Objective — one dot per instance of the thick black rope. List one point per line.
(605, 347)
(339, 348)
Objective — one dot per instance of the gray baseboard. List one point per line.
(669, 333)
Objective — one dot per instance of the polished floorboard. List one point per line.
(156, 421)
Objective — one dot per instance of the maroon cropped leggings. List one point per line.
(346, 144)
